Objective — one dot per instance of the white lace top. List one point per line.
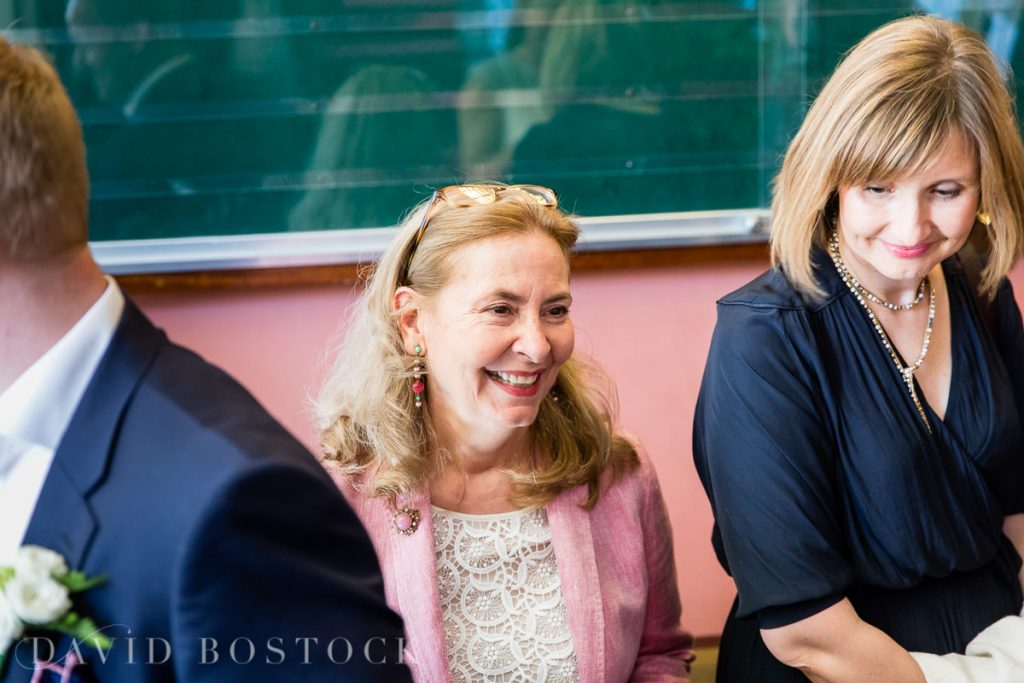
(501, 599)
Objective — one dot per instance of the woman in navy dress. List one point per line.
(860, 428)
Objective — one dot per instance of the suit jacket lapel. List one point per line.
(572, 538)
(62, 520)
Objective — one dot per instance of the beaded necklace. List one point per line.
(875, 299)
(855, 284)
(906, 372)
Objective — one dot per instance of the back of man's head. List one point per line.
(44, 184)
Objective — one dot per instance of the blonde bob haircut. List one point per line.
(366, 409)
(883, 115)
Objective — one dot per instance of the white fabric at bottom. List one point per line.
(996, 655)
(501, 598)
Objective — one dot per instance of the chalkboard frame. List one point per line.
(339, 247)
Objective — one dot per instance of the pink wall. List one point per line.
(649, 328)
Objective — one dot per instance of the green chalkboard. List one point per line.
(237, 117)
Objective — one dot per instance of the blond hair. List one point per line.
(44, 185)
(366, 409)
(887, 110)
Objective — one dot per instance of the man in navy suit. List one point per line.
(228, 552)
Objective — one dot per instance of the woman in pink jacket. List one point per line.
(521, 536)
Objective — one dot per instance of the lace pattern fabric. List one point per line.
(501, 599)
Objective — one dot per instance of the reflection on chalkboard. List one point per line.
(257, 116)
(500, 99)
(379, 127)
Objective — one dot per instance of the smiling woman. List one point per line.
(521, 535)
(893, 233)
(860, 426)
(497, 337)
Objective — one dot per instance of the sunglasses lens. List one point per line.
(469, 195)
(542, 195)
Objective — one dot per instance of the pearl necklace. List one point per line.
(906, 372)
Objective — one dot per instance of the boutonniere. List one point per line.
(36, 592)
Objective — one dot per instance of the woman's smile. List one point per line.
(907, 252)
(516, 383)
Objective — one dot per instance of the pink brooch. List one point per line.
(407, 520)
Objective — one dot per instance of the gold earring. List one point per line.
(984, 218)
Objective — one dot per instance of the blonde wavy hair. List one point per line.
(884, 114)
(366, 410)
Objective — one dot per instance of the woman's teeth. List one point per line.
(515, 380)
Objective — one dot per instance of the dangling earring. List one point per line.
(984, 218)
(418, 385)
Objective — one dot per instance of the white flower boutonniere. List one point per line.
(35, 593)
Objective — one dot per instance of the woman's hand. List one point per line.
(837, 646)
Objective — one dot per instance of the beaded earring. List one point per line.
(418, 385)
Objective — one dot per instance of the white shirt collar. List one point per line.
(38, 406)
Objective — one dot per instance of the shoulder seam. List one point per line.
(782, 307)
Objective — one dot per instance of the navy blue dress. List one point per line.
(825, 482)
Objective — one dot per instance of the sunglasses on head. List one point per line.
(464, 196)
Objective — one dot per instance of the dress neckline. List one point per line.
(493, 517)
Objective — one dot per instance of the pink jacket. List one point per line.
(616, 569)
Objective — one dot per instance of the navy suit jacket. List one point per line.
(230, 554)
